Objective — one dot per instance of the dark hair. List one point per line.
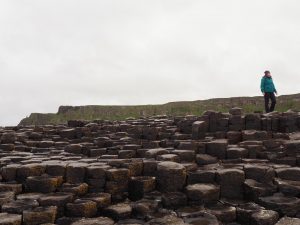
(266, 72)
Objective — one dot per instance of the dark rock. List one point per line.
(6, 196)
(217, 148)
(102, 200)
(43, 184)
(168, 172)
(201, 218)
(140, 185)
(18, 206)
(201, 176)
(224, 213)
(199, 128)
(264, 217)
(82, 208)
(166, 220)
(118, 211)
(245, 211)
(39, 215)
(28, 170)
(289, 206)
(288, 221)
(76, 172)
(10, 219)
(254, 190)
(174, 200)
(237, 153)
(289, 173)
(205, 159)
(76, 189)
(288, 187)
(94, 221)
(260, 173)
(59, 199)
(203, 193)
(231, 182)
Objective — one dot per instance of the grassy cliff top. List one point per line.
(121, 112)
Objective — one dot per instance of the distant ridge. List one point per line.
(121, 112)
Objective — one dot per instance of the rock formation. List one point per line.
(217, 168)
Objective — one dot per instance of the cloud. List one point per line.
(141, 52)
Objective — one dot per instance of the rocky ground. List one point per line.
(218, 168)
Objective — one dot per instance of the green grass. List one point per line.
(249, 104)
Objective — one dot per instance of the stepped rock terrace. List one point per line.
(218, 168)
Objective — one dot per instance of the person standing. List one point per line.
(268, 89)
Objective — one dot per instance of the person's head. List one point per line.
(267, 73)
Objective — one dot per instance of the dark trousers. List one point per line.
(268, 96)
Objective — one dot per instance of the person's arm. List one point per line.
(262, 85)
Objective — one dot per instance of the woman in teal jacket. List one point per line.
(268, 89)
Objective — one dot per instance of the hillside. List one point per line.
(107, 112)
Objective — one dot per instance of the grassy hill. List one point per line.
(107, 112)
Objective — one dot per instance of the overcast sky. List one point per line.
(79, 52)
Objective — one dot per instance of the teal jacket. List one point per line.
(267, 84)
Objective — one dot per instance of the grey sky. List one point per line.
(79, 52)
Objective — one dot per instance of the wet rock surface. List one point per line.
(218, 168)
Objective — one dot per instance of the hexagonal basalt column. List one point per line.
(171, 176)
